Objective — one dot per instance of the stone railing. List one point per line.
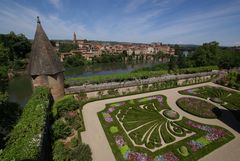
(115, 85)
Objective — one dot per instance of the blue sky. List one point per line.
(167, 21)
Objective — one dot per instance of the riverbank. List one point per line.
(121, 77)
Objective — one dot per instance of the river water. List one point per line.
(20, 88)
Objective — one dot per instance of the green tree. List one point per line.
(172, 65)
(60, 129)
(4, 59)
(229, 58)
(74, 61)
(18, 45)
(181, 61)
(206, 55)
(67, 47)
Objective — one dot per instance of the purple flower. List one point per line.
(119, 140)
(111, 109)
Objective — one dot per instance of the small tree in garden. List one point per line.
(139, 88)
(113, 92)
(82, 95)
(100, 94)
(145, 87)
(60, 129)
(68, 103)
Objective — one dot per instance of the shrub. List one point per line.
(26, 137)
(113, 129)
(74, 122)
(183, 151)
(81, 153)
(113, 92)
(59, 152)
(74, 142)
(68, 103)
(60, 129)
(82, 95)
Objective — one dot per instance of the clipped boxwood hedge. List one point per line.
(26, 138)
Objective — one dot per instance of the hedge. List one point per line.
(26, 138)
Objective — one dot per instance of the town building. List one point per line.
(90, 49)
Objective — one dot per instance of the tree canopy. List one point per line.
(210, 54)
(19, 46)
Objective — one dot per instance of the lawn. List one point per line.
(198, 107)
(147, 129)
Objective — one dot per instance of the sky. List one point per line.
(145, 21)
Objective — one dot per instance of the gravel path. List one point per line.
(95, 136)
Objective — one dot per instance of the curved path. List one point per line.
(95, 136)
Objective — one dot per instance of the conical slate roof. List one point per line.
(43, 59)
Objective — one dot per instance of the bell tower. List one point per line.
(74, 38)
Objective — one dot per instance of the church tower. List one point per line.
(45, 67)
(74, 38)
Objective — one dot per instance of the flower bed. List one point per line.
(171, 114)
(198, 107)
(225, 97)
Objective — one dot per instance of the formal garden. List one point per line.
(147, 129)
(226, 98)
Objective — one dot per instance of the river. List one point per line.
(20, 88)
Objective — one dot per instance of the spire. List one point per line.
(38, 20)
(44, 60)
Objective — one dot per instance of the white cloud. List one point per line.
(21, 19)
(133, 5)
(55, 3)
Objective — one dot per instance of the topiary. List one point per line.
(183, 151)
(113, 129)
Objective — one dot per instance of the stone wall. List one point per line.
(183, 79)
(54, 82)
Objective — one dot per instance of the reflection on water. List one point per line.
(20, 88)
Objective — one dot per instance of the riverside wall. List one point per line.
(181, 78)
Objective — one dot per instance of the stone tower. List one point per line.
(74, 38)
(45, 67)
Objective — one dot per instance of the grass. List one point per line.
(198, 107)
(127, 112)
